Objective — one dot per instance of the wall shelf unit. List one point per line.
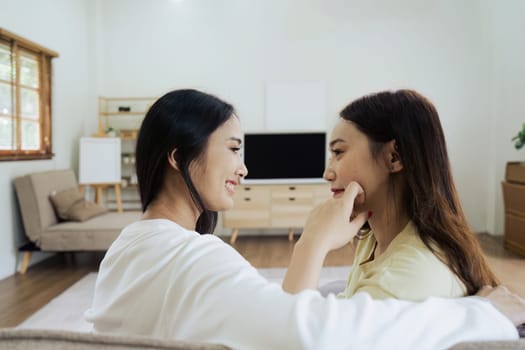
(123, 116)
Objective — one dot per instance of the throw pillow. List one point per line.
(70, 205)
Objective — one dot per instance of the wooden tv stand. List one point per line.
(273, 206)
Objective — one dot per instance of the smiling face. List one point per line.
(351, 160)
(221, 167)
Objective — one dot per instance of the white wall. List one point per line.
(63, 26)
(232, 47)
(506, 30)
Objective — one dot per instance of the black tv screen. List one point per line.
(285, 156)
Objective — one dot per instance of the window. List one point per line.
(25, 98)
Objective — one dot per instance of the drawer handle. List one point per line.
(247, 199)
(291, 199)
(291, 188)
(247, 188)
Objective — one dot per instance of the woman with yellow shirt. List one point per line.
(389, 148)
(407, 270)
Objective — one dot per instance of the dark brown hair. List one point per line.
(430, 197)
(182, 120)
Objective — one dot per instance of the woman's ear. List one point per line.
(171, 160)
(393, 158)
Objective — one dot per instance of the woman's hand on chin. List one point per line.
(333, 224)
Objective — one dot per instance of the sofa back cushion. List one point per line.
(21, 339)
(33, 192)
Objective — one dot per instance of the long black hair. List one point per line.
(430, 197)
(181, 120)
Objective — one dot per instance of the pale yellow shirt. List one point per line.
(406, 270)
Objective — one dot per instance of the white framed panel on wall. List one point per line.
(298, 106)
(99, 160)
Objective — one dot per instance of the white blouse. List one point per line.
(159, 279)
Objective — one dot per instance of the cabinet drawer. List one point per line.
(290, 194)
(291, 188)
(515, 232)
(251, 198)
(290, 216)
(321, 194)
(246, 218)
(515, 172)
(514, 198)
(293, 200)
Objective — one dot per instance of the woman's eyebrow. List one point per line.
(236, 139)
(333, 142)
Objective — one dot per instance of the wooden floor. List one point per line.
(22, 295)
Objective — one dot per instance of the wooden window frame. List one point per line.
(18, 45)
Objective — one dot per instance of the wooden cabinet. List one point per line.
(514, 202)
(251, 208)
(273, 206)
(123, 116)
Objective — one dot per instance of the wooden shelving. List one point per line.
(124, 116)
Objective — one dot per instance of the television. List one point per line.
(285, 157)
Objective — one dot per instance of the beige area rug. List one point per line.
(65, 312)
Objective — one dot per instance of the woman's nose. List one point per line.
(243, 170)
(329, 174)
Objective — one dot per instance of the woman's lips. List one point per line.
(337, 192)
(230, 186)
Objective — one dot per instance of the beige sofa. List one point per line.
(21, 339)
(18, 339)
(47, 233)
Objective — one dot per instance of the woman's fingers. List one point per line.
(508, 303)
(357, 222)
(331, 224)
(351, 192)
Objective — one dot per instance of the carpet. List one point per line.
(65, 312)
